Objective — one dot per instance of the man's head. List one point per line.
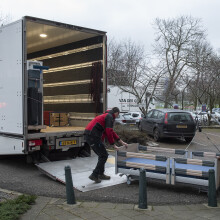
(116, 111)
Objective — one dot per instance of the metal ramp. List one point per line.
(81, 168)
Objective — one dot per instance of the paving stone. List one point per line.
(216, 217)
(53, 210)
(180, 208)
(78, 210)
(106, 205)
(59, 202)
(69, 207)
(197, 207)
(130, 213)
(108, 213)
(43, 216)
(153, 213)
(53, 200)
(121, 217)
(42, 199)
(184, 214)
(200, 218)
(164, 216)
(124, 206)
(67, 216)
(143, 217)
(86, 214)
(89, 204)
(205, 214)
(162, 208)
(36, 209)
(98, 218)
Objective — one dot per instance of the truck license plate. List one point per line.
(181, 126)
(65, 143)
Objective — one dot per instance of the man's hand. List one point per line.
(115, 147)
(123, 143)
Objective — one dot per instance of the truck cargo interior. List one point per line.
(73, 84)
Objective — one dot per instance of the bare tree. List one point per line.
(173, 43)
(4, 19)
(128, 69)
(200, 58)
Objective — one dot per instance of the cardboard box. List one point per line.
(58, 119)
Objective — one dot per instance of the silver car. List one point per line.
(124, 119)
(135, 115)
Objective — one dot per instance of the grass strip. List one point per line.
(12, 209)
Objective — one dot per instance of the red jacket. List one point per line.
(102, 126)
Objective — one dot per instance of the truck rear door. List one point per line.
(11, 78)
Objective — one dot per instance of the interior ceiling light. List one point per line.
(43, 35)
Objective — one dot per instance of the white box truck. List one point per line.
(125, 101)
(54, 67)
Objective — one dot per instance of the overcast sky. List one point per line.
(121, 19)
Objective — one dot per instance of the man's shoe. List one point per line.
(94, 178)
(104, 177)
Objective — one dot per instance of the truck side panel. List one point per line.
(11, 79)
(11, 146)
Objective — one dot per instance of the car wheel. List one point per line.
(188, 139)
(156, 134)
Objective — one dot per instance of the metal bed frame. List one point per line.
(169, 169)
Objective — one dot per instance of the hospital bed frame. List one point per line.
(169, 169)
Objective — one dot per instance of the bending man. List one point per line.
(95, 133)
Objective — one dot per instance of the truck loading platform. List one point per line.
(177, 168)
(81, 169)
(62, 129)
(57, 131)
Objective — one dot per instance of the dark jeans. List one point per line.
(99, 148)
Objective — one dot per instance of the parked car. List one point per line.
(124, 119)
(216, 116)
(195, 117)
(136, 115)
(168, 123)
(203, 118)
(216, 110)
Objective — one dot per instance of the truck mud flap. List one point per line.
(81, 168)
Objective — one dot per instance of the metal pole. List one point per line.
(142, 190)
(70, 196)
(212, 198)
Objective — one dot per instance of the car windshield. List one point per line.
(127, 117)
(180, 116)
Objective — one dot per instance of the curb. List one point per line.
(10, 192)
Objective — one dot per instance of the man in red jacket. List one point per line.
(95, 133)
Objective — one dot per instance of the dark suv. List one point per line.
(168, 123)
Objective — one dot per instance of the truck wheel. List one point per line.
(156, 135)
